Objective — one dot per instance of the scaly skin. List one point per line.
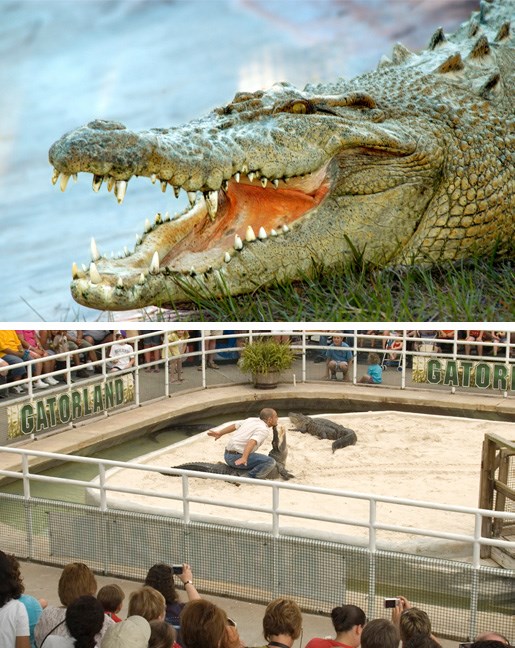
(410, 163)
(322, 428)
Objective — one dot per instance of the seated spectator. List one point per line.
(374, 371)
(160, 577)
(33, 605)
(445, 341)
(119, 351)
(148, 603)
(204, 625)
(83, 619)
(421, 640)
(494, 340)
(76, 580)
(12, 352)
(14, 620)
(410, 620)
(76, 341)
(339, 357)
(492, 636)
(162, 635)
(97, 337)
(348, 622)
(282, 622)
(111, 597)
(4, 370)
(392, 345)
(380, 633)
(134, 632)
(474, 336)
(30, 341)
(488, 643)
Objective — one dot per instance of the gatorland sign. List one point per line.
(44, 414)
(464, 373)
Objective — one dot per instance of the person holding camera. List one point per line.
(160, 577)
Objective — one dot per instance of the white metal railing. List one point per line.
(273, 509)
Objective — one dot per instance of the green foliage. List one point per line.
(264, 356)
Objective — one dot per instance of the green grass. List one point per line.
(480, 289)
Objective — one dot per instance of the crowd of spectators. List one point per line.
(157, 618)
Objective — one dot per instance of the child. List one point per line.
(111, 597)
(374, 372)
(119, 350)
(175, 352)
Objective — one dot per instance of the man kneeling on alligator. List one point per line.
(246, 437)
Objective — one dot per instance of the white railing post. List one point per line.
(27, 503)
(372, 520)
(275, 508)
(185, 499)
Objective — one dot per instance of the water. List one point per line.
(150, 63)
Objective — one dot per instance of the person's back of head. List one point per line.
(489, 635)
(134, 632)
(282, 616)
(148, 603)
(489, 643)
(379, 633)
(414, 621)
(11, 584)
(345, 617)
(160, 577)
(84, 620)
(76, 580)
(203, 624)
(162, 635)
(111, 596)
(421, 640)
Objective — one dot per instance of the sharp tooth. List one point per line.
(126, 250)
(74, 176)
(119, 190)
(237, 176)
(138, 239)
(84, 269)
(94, 274)
(273, 232)
(119, 283)
(141, 279)
(75, 271)
(264, 181)
(55, 176)
(286, 180)
(176, 191)
(225, 185)
(110, 183)
(251, 176)
(244, 168)
(275, 183)
(154, 265)
(238, 245)
(227, 257)
(164, 184)
(175, 216)
(153, 178)
(95, 255)
(148, 226)
(192, 196)
(285, 228)
(158, 218)
(262, 234)
(192, 270)
(249, 234)
(167, 216)
(212, 203)
(64, 181)
(97, 182)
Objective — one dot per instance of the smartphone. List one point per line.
(391, 602)
(177, 569)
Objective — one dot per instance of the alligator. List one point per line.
(324, 429)
(279, 452)
(411, 163)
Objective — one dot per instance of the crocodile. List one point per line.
(411, 163)
(322, 428)
(279, 452)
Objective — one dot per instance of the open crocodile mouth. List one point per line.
(247, 209)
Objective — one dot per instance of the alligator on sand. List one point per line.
(323, 428)
(409, 163)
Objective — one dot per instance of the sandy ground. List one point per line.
(402, 455)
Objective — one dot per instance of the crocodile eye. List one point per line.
(299, 107)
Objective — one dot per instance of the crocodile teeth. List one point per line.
(192, 196)
(138, 239)
(97, 182)
(285, 228)
(153, 178)
(193, 272)
(75, 271)
(119, 190)
(251, 176)
(95, 255)
(148, 226)
(126, 250)
(212, 203)
(275, 183)
(94, 274)
(75, 177)
(55, 176)
(141, 279)
(176, 191)
(84, 269)
(64, 181)
(164, 184)
(238, 244)
(273, 232)
(227, 257)
(110, 183)
(119, 283)
(158, 219)
(237, 176)
(225, 185)
(262, 234)
(263, 182)
(154, 265)
(249, 234)
(244, 168)
(167, 217)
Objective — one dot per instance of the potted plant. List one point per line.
(265, 359)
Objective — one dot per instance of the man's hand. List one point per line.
(242, 461)
(215, 434)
